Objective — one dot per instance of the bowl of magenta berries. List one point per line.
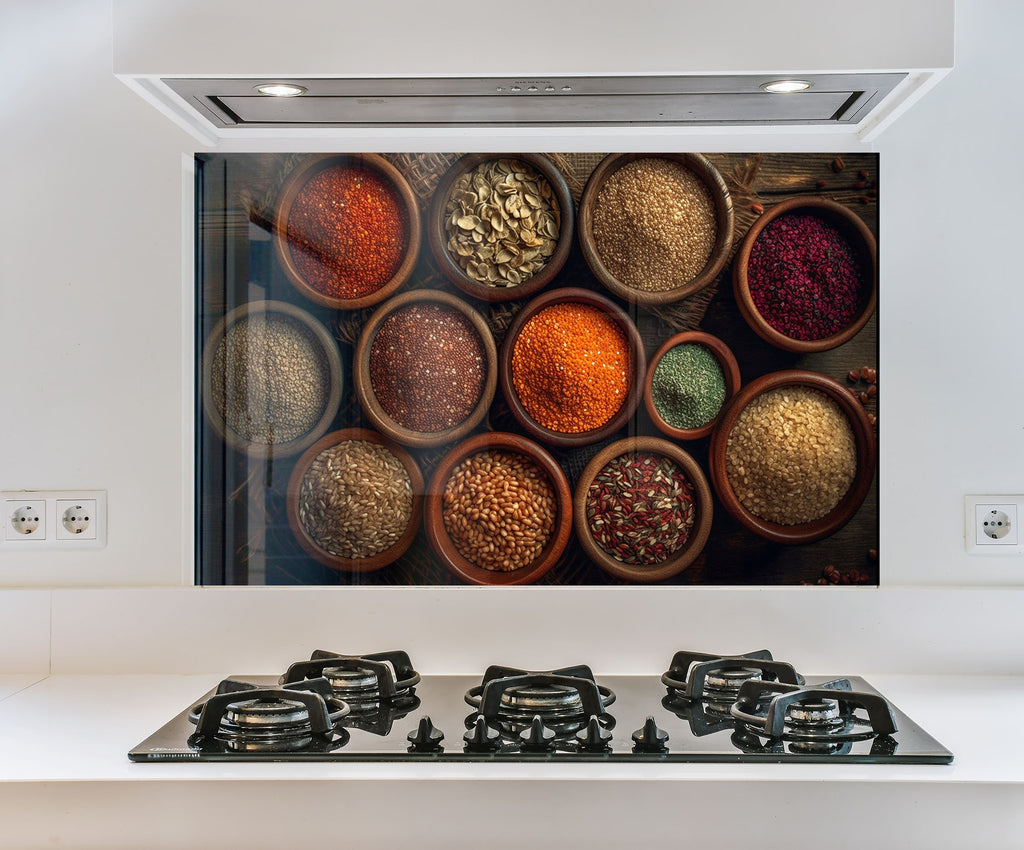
(805, 275)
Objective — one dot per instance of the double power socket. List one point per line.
(54, 519)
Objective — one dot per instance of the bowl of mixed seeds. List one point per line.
(793, 456)
(689, 380)
(354, 500)
(272, 379)
(501, 225)
(643, 509)
(498, 510)
(655, 228)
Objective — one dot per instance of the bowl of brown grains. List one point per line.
(501, 225)
(793, 456)
(643, 509)
(655, 228)
(355, 500)
(272, 379)
(572, 367)
(425, 368)
(805, 276)
(347, 229)
(498, 510)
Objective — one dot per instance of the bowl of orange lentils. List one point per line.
(572, 367)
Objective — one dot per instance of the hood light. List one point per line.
(786, 86)
(280, 89)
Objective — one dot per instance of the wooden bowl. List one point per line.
(364, 386)
(638, 362)
(864, 440)
(283, 238)
(325, 344)
(698, 164)
(312, 548)
(437, 237)
(441, 542)
(703, 503)
(853, 230)
(730, 371)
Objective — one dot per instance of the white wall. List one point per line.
(92, 341)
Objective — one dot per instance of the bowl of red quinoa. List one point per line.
(572, 367)
(347, 229)
(689, 380)
(500, 226)
(805, 275)
(498, 510)
(425, 368)
(272, 379)
(643, 509)
(655, 228)
(793, 456)
(355, 500)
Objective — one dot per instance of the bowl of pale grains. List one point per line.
(355, 500)
(501, 225)
(272, 379)
(689, 380)
(498, 510)
(643, 509)
(655, 228)
(793, 456)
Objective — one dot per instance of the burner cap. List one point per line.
(266, 714)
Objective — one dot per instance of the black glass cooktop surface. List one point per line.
(623, 718)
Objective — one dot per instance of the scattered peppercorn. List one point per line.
(571, 367)
(804, 277)
(872, 390)
(863, 174)
(821, 184)
(757, 208)
(860, 184)
(427, 367)
(863, 398)
(838, 164)
(347, 231)
(872, 419)
(688, 386)
(853, 376)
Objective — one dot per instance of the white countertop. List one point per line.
(64, 742)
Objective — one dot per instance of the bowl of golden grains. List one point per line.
(655, 228)
(793, 456)
(354, 500)
(498, 510)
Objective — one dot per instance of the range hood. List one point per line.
(565, 65)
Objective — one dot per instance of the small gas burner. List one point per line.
(717, 679)
(564, 700)
(813, 719)
(362, 680)
(244, 717)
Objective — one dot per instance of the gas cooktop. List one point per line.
(704, 708)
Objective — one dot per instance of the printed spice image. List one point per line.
(654, 224)
(502, 221)
(804, 277)
(270, 380)
(348, 231)
(355, 499)
(688, 386)
(791, 457)
(571, 367)
(640, 508)
(427, 367)
(499, 509)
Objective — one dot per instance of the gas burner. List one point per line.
(511, 699)
(364, 681)
(717, 679)
(813, 719)
(243, 717)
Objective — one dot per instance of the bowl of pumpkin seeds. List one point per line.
(501, 225)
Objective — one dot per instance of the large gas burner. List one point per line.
(378, 677)
(718, 678)
(244, 717)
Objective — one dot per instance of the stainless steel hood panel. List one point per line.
(607, 101)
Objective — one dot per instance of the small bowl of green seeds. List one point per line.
(689, 381)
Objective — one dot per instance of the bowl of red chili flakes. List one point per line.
(805, 275)
(643, 509)
(347, 229)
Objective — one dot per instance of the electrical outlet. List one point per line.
(991, 525)
(54, 519)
